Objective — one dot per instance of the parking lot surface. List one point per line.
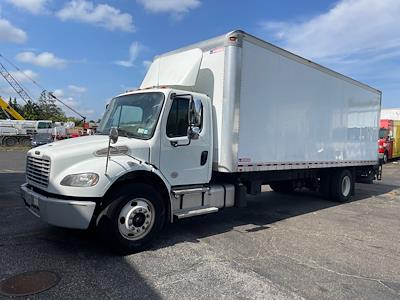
(280, 246)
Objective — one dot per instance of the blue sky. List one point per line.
(89, 51)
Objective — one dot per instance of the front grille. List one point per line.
(38, 170)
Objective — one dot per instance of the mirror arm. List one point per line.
(113, 136)
(108, 155)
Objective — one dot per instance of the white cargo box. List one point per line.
(273, 109)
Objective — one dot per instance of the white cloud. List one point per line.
(89, 112)
(176, 7)
(24, 75)
(102, 15)
(59, 93)
(351, 27)
(134, 50)
(33, 6)
(10, 33)
(70, 101)
(45, 59)
(359, 38)
(76, 89)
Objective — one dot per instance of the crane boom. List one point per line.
(23, 94)
(14, 84)
(8, 110)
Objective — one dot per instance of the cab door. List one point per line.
(185, 161)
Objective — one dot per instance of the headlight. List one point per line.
(80, 180)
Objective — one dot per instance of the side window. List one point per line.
(41, 125)
(177, 123)
(44, 125)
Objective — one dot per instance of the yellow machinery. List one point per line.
(9, 111)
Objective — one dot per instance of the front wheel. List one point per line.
(134, 218)
(385, 158)
(10, 141)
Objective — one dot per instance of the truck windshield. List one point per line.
(134, 115)
(382, 133)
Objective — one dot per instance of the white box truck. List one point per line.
(210, 124)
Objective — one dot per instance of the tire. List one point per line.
(25, 142)
(385, 158)
(341, 186)
(134, 218)
(10, 141)
(284, 187)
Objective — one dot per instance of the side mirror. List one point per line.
(195, 118)
(113, 135)
(195, 112)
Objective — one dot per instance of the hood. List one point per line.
(68, 153)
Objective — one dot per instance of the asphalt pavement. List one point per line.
(279, 247)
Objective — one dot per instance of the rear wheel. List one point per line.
(25, 141)
(341, 186)
(134, 218)
(282, 186)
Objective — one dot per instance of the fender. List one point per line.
(146, 172)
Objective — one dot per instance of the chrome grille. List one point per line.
(38, 170)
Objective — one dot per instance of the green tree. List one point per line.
(48, 109)
(77, 121)
(30, 111)
(12, 102)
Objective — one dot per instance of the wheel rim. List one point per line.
(136, 219)
(346, 185)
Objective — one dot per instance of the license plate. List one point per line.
(31, 201)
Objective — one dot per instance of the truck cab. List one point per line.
(163, 141)
(385, 143)
(389, 139)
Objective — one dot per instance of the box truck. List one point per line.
(210, 124)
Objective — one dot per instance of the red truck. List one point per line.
(389, 139)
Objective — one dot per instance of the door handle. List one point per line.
(203, 158)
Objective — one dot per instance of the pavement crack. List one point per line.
(317, 266)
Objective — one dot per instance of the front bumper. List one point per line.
(57, 212)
